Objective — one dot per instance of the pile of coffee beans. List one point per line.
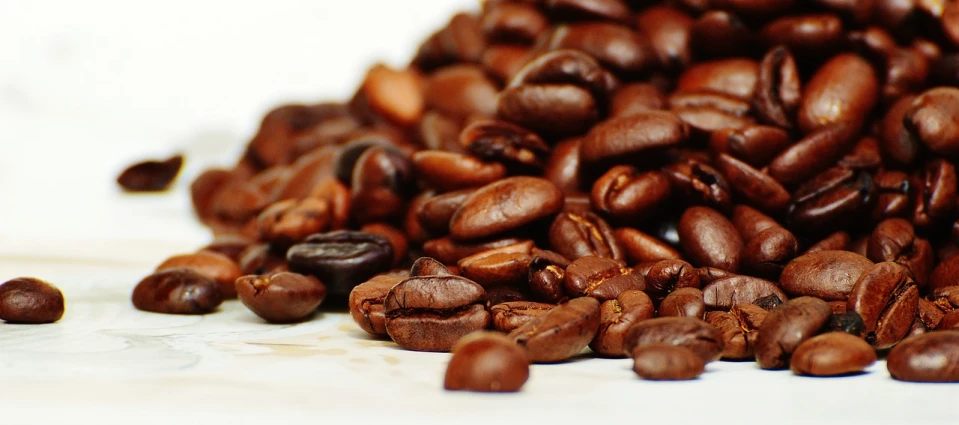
(677, 182)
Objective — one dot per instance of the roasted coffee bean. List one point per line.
(739, 329)
(381, 181)
(837, 241)
(562, 168)
(150, 176)
(930, 120)
(832, 354)
(500, 141)
(498, 267)
(756, 145)
(616, 316)
(804, 34)
(668, 31)
(600, 278)
(718, 33)
(931, 357)
(288, 222)
(710, 239)
(778, 92)
(565, 66)
(460, 91)
(282, 297)
(752, 186)
(935, 200)
(735, 77)
(666, 276)
(30, 300)
(616, 47)
(486, 362)
(503, 294)
(728, 292)
(259, 259)
(575, 236)
(699, 184)
(611, 10)
(230, 246)
(887, 298)
(849, 322)
(204, 189)
(508, 316)
(893, 194)
(513, 22)
(394, 94)
(215, 266)
(786, 327)
(842, 91)
(689, 332)
(812, 155)
(895, 240)
(830, 200)
(177, 291)
(366, 302)
(446, 171)
(434, 213)
(561, 333)
(485, 213)
(767, 253)
(636, 97)
(830, 275)
(430, 313)
(547, 276)
(558, 110)
(341, 259)
(620, 139)
(683, 302)
(665, 362)
(640, 247)
(628, 195)
(449, 251)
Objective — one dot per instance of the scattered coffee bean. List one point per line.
(487, 362)
(831, 354)
(366, 302)
(430, 313)
(561, 333)
(215, 266)
(665, 362)
(30, 300)
(692, 333)
(177, 291)
(150, 176)
(616, 317)
(282, 297)
(930, 357)
(786, 327)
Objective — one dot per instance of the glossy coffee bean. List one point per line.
(710, 239)
(832, 354)
(669, 31)
(430, 313)
(728, 292)
(887, 299)
(830, 200)
(699, 184)
(341, 259)
(778, 89)
(929, 119)
(616, 47)
(446, 171)
(830, 275)
(628, 195)
(844, 90)
(30, 300)
(683, 302)
(767, 253)
(366, 303)
(665, 362)
(561, 333)
(281, 297)
(150, 176)
(600, 278)
(812, 155)
(752, 186)
(689, 332)
(505, 143)
(177, 291)
(739, 328)
(574, 236)
(895, 240)
(449, 251)
(930, 357)
(666, 276)
(617, 140)
(215, 266)
(640, 247)
(508, 316)
(486, 362)
(616, 316)
(484, 213)
(786, 327)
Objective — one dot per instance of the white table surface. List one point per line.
(87, 87)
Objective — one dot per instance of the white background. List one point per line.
(87, 87)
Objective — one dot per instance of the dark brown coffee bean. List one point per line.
(935, 200)
(177, 291)
(636, 97)
(619, 139)
(486, 362)
(562, 168)
(430, 313)
(835, 198)
(640, 247)
(611, 10)
(930, 120)
(380, 185)
(812, 155)
(755, 144)
(710, 239)
(894, 192)
(804, 34)
(449, 251)
(665, 362)
(504, 266)
(837, 241)
(513, 22)
(754, 7)
(899, 141)
(435, 212)
(485, 214)
(931, 357)
(553, 109)
(842, 91)
(688, 332)
(735, 77)
(830, 275)
(547, 274)
(767, 253)
(778, 92)
(888, 300)
(728, 292)
(150, 176)
(752, 186)
(508, 316)
(786, 327)
(849, 322)
(30, 300)
(366, 303)
(282, 297)
(949, 321)
(228, 245)
(683, 302)
(460, 91)
(204, 188)
(616, 316)
(215, 266)
(706, 112)
(666, 276)
(394, 94)
(718, 33)
(238, 201)
(616, 47)
(628, 195)
(575, 236)
(259, 259)
(341, 259)
(505, 294)
(446, 171)
(751, 222)
(561, 333)
(287, 222)
(699, 184)
(500, 141)
(600, 278)
(668, 31)
(739, 328)
(832, 354)
(895, 240)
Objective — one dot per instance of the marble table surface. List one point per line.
(87, 87)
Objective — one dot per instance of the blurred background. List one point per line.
(88, 87)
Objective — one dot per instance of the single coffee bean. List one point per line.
(718, 33)
(887, 298)
(430, 313)
(215, 266)
(935, 199)
(666, 276)
(177, 291)
(563, 168)
(575, 235)
(683, 302)
(735, 77)
(287, 222)
(739, 328)
(728, 292)
(843, 90)
(640, 247)
(699, 184)
(600, 278)
(616, 316)
(150, 176)
(449, 251)
(500, 141)
(895, 240)
(778, 92)
(628, 195)
(710, 239)
(460, 91)
(282, 297)
(620, 139)
(504, 294)
(754, 187)
(446, 171)
(498, 267)
(485, 213)
(665, 362)
(813, 154)
(30, 300)
(341, 259)
(830, 275)
(669, 31)
(561, 333)
(547, 274)
(930, 357)
(366, 302)
(832, 354)
(689, 332)
(849, 322)
(893, 193)
(767, 253)
(636, 97)
(516, 22)
(486, 362)
(510, 315)
(786, 327)
(929, 120)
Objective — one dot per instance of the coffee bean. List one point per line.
(813, 154)
(517, 22)
(683, 302)
(366, 302)
(735, 77)
(616, 316)
(849, 322)
(895, 240)
(930, 357)
(935, 199)
(30, 300)
(699, 184)
(561, 333)
(341, 259)
(449, 251)
(640, 247)
(460, 91)
(728, 292)
(611, 10)
(498, 267)
(832, 354)
(177, 291)
(888, 300)
(448, 171)
(665, 362)
(150, 176)
(617, 140)
(778, 92)
(739, 328)
(767, 253)
(756, 188)
(617, 47)
(689, 332)
(843, 90)
(718, 33)
(786, 327)
(830, 275)
(628, 195)
(508, 144)
(486, 362)
(669, 32)
(430, 313)
(710, 239)
(600, 278)
(282, 297)
(666, 276)
(215, 266)
(575, 236)
(547, 275)
(510, 315)
(485, 213)
(636, 97)
(929, 120)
